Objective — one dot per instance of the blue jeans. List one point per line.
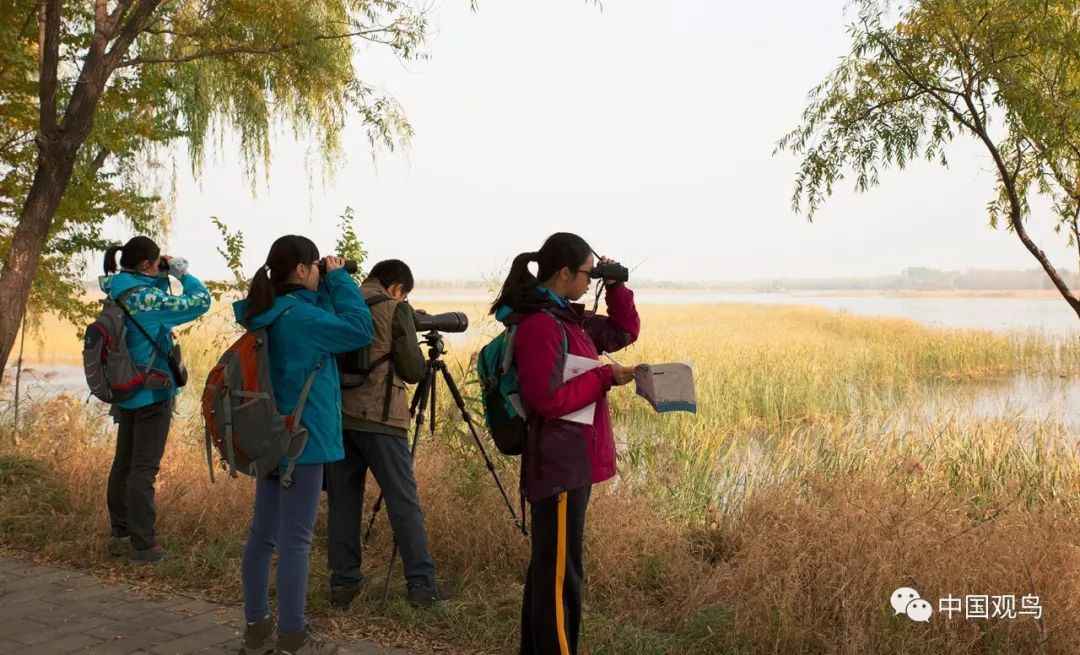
(284, 519)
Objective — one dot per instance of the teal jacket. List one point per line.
(158, 311)
(306, 329)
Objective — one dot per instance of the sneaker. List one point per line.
(304, 642)
(148, 556)
(424, 596)
(258, 638)
(119, 546)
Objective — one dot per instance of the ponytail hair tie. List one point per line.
(267, 269)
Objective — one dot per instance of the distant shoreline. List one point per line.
(690, 294)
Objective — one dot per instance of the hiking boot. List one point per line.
(148, 556)
(258, 638)
(304, 642)
(424, 596)
(119, 546)
(341, 596)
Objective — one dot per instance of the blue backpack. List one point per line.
(504, 413)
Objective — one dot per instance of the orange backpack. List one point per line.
(241, 417)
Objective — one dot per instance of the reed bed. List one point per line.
(778, 519)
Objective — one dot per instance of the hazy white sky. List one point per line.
(647, 127)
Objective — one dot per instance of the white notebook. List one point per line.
(575, 366)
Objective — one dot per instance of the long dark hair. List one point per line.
(136, 251)
(272, 278)
(560, 250)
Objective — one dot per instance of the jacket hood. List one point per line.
(372, 287)
(533, 300)
(281, 303)
(117, 283)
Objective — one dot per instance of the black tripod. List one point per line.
(424, 395)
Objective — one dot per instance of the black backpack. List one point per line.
(355, 366)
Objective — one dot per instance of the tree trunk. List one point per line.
(55, 165)
(58, 147)
(1051, 272)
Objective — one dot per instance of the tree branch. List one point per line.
(885, 103)
(935, 91)
(135, 23)
(49, 54)
(1076, 232)
(274, 48)
(116, 16)
(101, 14)
(1016, 209)
(14, 139)
(974, 123)
(99, 160)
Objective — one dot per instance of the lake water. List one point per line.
(1034, 398)
(1050, 315)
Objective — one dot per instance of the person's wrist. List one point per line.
(608, 374)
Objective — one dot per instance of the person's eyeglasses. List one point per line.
(586, 272)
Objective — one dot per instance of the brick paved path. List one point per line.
(46, 610)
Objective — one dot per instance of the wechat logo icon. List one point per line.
(907, 601)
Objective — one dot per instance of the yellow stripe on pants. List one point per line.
(560, 574)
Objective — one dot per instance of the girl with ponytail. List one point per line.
(141, 284)
(308, 318)
(562, 459)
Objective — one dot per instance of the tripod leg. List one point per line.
(460, 402)
(419, 404)
(434, 405)
(389, 569)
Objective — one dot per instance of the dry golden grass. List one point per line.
(778, 520)
(804, 565)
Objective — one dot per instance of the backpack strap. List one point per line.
(390, 373)
(562, 328)
(209, 451)
(296, 446)
(230, 455)
(122, 300)
(388, 357)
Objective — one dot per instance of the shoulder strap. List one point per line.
(121, 300)
(298, 413)
(388, 358)
(296, 445)
(509, 353)
(565, 337)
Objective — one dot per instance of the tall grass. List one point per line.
(777, 520)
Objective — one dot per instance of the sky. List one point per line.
(646, 127)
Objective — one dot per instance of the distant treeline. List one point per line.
(911, 279)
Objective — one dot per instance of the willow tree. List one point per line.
(922, 73)
(93, 92)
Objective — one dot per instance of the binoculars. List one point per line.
(613, 272)
(350, 267)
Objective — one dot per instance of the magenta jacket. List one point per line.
(563, 455)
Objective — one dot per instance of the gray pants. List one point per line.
(390, 462)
